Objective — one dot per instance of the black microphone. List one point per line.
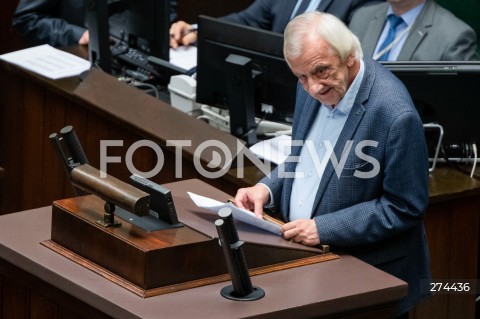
(241, 288)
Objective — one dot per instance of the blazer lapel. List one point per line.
(284, 15)
(419, 30)
(309, 113)
(348, 131)
(374, 29)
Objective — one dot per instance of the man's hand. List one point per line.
(181, 34)
(252, 199)
(84, 39)
(303, 231)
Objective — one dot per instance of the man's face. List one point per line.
(321, 72)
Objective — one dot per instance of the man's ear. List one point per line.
(351, 60)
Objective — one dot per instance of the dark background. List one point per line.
(187, 10)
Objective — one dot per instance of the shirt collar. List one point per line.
(410, 16)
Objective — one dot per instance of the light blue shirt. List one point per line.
(316, 150)
(311, 7)
(409, 18)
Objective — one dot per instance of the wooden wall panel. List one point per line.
(11, 89)
(14, 300)
(32, 110)
(41, 306)
(53, 172)
(452, 233)
(23, 295)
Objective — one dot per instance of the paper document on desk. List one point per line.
(238, 213)
(48, 61)
(275, 150)
(184, 57)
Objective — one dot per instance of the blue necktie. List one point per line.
(394, 23)
(303, 6)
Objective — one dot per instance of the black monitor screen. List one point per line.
(142, 24)
(133, 29)
(447, 93)
(274, 85)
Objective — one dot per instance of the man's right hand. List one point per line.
(181, 34)
(253, 199)
(84, 39)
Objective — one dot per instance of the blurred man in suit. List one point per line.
(272, 15)
(59, 23)
(425, 32)
(55, 22)
(357, 176)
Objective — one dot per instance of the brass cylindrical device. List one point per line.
(111, 189)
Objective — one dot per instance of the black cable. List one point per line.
(253, 129)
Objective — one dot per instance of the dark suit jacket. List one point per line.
(377, 219)
(273, 15)
(436, 35)
(56, 22)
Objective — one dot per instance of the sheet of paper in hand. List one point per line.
(238, 213)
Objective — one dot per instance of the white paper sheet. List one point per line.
(48, 61)
(184, 57)
(238, 213)
(275, 150)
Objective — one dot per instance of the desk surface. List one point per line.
(341, 285)
(448, 183)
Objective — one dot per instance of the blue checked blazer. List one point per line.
(379, 219)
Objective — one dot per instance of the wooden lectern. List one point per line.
(37, 281)
(169, 260)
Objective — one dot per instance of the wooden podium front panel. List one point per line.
(148, 260)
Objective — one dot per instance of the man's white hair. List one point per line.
(313, 25)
